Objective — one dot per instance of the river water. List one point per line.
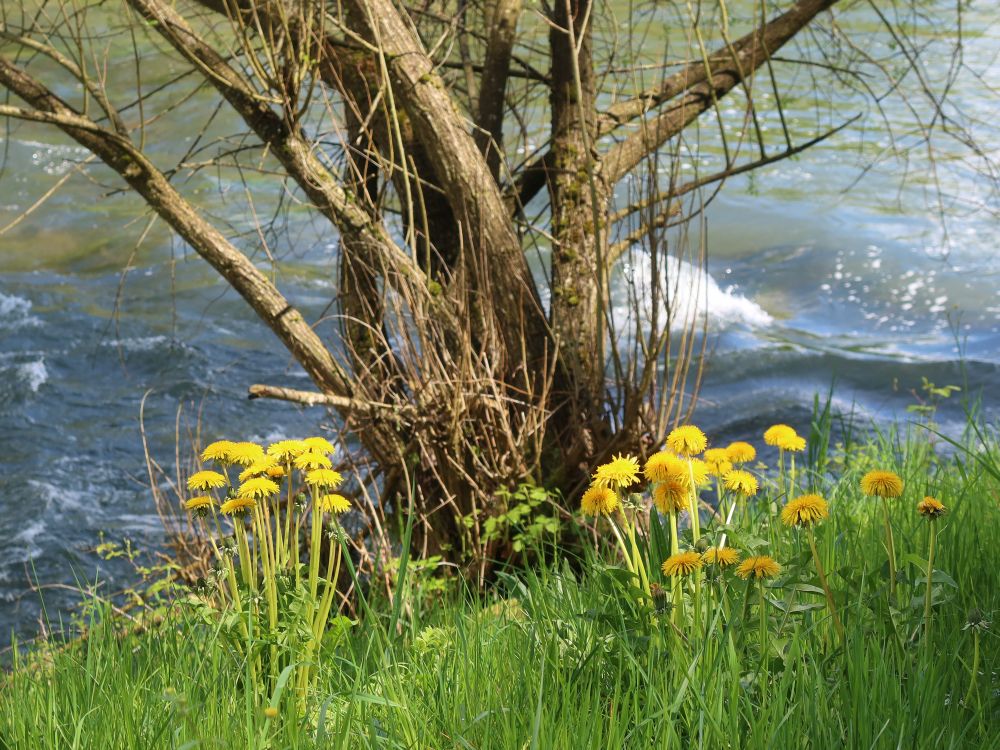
(812, 280)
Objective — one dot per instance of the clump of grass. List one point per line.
(582, 651)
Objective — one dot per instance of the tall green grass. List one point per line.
(566, 656)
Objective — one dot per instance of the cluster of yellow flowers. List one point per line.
(676, 476)
(260, 473)
(273, 495)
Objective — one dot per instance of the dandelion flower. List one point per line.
(336, 504)
(776, 433)
(245, 453)
(687, 440)
(804, 511)
(599, 501)
(681, 564)
(717, 461)
(197, 503)
(276, 472)
(259, 468)
(758, 566)
(791, 443)
(319, 445)
(286, 449)
(205, 480)
(619, 473)
(740, 452)
(740, 481)
(721, 556)
(218, 451)
(312, 460)
(671, 495)
(663, 465)
(258, 487)
(237, 505)
(324, 478)
(879, 483)
(931, 508)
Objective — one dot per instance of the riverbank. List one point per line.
(573, 654)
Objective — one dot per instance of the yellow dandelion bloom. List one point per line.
(324, 478)
(202, 501)
(717, 461)
(319, 445)
(740, 481)
(931, 508)
(804, 510)
(671, 495)
(663, 465)
(276, 472)
(245, 453)
(758, 566)
(286, 449)
(259, 468)
(619, 473)
(206, 480)
(599, 501)
(721, 556)
(218, 451)
(774, 434)
(792, 443)
(687, 440)
(258, 487)
(740, 452)
(879, 483)
(334, 504)
(312, 460)
(681, 564)
(237, 505)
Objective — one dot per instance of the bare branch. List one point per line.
(502, 26)
(733, 69)
(119, 154)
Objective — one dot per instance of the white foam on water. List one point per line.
(137, 343)
(16, 312)
(24, 540)
(34, 374)
(692, 294)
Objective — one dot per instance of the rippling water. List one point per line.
(808, 284)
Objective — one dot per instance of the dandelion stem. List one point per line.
(826, 587)
(975, 667)
(695, 520)
(930, 576)
(891, 550)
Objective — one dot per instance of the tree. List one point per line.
(462, 367)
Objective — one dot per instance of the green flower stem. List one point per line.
(927, 594)
(695, 520)
(826, 587)
(621, 545)
(891, 550)
(763, 626)
(975, 667)
(729, 520)
(637, 558)
(250, 581)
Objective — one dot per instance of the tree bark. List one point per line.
(579, 200)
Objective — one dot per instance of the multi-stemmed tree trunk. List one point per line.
(460, 367)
